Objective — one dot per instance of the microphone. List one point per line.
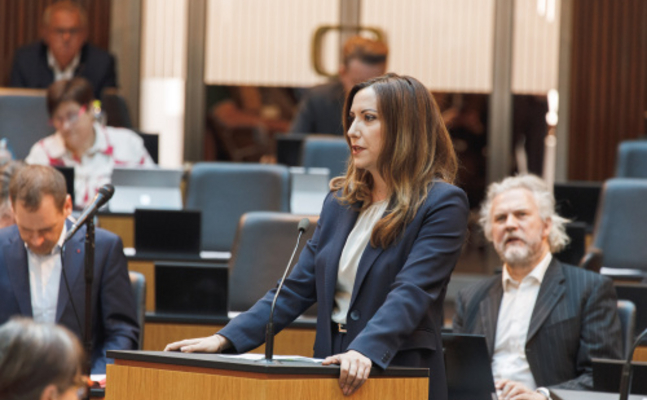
(627, 372)
(269, 331)
(103, 195)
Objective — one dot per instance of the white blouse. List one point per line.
(356, 242)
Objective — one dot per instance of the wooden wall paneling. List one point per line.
(608, 83)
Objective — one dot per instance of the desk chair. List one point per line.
(264, 243)
(116, 109)
(226, 191)
(23, 119)
(620, 225)
(325, 152)
(627, 316)
(138, 284)
(632, 159)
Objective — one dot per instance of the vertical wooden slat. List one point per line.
(608, 83)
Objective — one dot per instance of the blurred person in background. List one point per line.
(321, 109)
(63, 52)
(81, 142)
(6, 172)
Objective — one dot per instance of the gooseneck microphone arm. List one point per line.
(627, 370)
(269, 330)
(103, 195)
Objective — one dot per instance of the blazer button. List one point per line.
(354, 315)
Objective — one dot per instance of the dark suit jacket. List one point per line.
(575, 319)
(30, 68)
(395, 313)
(320, 110)
(114, 323)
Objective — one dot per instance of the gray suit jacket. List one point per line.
(575, 319)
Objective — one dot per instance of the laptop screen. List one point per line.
(191, 288)
(467, 363)
(167, 231)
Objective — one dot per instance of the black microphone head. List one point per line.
(107, 191)
(304, 224)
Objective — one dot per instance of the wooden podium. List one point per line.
(172, 375)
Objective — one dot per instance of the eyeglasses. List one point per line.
(70, 118)
(63, 31)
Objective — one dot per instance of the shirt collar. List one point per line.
(536, 274)
(51, 61)
(57, 248)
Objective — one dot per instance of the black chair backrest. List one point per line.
(578, 201)
(264, 243)
(326, 152)
(632, 159)
(620, 225)
(226, 191)
(23, 119)
(151, 143)
(627, 315)
(138, 284)
(116, 109)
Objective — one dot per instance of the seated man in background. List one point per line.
(40, 362)
(6, 173)
(81, 142)
(543, 320)
(321, 108)
(63, 52)
(33, 280)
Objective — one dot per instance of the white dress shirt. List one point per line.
(45, 280)
(59, 73)
(350, 256)
(509, 359)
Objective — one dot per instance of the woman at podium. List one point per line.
(388, 238)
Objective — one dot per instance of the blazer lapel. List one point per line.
(18, 271)
(550, 293)
(73, 264)
(346, 223)
(489, 313)
(365, 263)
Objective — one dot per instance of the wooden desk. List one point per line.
(160, 330)
(586, 395)
(146, 266)
(173, 375)
(123, 225)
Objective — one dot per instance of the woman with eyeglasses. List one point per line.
(83, 143)
(388, 237)
(40, 362)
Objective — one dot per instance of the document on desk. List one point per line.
(257, 357)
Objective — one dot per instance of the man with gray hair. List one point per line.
(63, 52)
(543, 320)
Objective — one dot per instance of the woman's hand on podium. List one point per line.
(354, 370)
(209, 344)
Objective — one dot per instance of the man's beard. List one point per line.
(519, 253)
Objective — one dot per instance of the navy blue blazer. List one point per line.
(30, 68)
(114, 322)
(395, 313)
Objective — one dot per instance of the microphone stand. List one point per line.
(269, 329)
(89, 279)
(627, 370)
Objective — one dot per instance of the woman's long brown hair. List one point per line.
(416, 150)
